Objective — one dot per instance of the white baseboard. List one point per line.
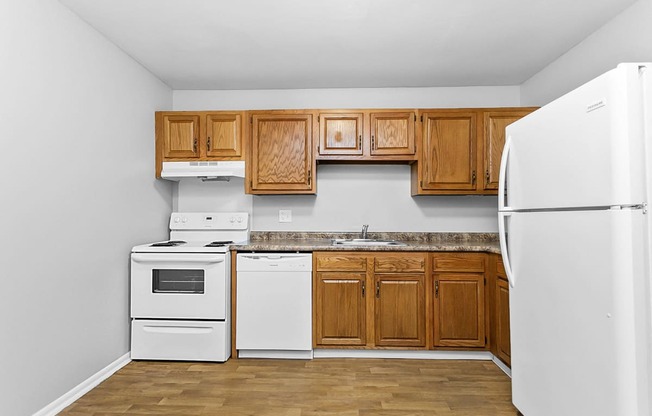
(276, 354)
(84, 387)
(502, 366)
(407, 354)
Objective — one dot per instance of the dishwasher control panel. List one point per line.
(274, 262)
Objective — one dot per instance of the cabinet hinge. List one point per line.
(485, 340)
(421, 183)
(318, 150)
(251, 120)
(415, 117)
(422, 119)
(485, 281)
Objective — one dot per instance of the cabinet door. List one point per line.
(281, 154)
(449, 151)
(340, 312)
(340, 134)
(459, 310)
(400, 319)
(223, 135)
(495, 123)
(392, 133)
(502, 321)
(180, 136)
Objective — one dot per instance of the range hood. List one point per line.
(204, 170)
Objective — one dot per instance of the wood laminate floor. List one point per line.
(321, 387)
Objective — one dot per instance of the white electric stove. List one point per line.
(181, 289)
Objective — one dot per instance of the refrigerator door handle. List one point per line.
(502, 178)
(502, 217)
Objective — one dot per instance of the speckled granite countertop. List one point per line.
(322, 241)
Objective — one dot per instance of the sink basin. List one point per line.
(365, 242)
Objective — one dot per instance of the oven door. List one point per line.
(179, 285)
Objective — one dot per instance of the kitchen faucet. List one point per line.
(363, 234)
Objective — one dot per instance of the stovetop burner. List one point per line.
(218, 243)
(171, 243)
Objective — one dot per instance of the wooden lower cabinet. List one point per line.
(409, 300)
(400, 313)
(500, 311)
(340, 308)
(459, 310)
(356, 307)
(502, 341)
(459, 313)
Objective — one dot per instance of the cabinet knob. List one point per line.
(363, 289)
(194, 145)
(208, 144)
(378, 289)
(436, 288)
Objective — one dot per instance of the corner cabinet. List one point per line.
(501, 347)
(459, 150)
(494, 124)
(281, 159)
(192, 136)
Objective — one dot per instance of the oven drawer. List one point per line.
(180, 340)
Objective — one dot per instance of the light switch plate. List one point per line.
(284, 215)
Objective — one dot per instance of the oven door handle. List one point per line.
(176, 258)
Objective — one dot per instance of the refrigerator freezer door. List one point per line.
(584, 149)
(578, 313)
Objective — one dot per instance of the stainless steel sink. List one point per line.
(365, 242)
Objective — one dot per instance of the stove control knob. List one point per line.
(176, 220)
(232, 220)
(239, 220)
(184, 220)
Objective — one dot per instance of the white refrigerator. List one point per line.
(574, 228)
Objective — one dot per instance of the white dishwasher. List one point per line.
(274, 305)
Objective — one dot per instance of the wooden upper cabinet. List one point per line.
(281, 154)
(340, 133)
(180, 136)
(449, 151)
(392, 133)
(367, 135)
(202, 135)
(223, 135)
(495, 123)
(400, 314)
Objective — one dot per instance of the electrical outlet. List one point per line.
(284, 215)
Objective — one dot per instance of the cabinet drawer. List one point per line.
(336, 262)
(458, 262)
(400, 263)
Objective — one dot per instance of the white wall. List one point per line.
(350, 195)
(78, 190)
(625, 38)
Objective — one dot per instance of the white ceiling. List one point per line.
(262, 44)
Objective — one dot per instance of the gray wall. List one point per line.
(625, 38)
(78, 191)
(348, 195)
